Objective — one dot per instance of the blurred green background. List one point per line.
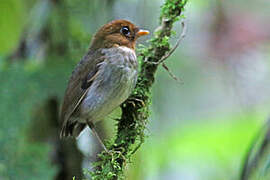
(200, 129)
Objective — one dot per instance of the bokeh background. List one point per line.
(199, 129)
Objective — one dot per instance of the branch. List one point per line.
(135, 111)
(257, 154)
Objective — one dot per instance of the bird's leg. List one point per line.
(92, 127)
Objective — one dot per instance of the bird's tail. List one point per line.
(71, 129)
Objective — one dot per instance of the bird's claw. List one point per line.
(131, 101)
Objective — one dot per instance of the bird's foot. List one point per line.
(131, 101)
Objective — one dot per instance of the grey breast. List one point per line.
(115, 81)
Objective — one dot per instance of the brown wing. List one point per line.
(79, 83)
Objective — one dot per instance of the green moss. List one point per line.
(171, 9)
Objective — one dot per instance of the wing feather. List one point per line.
(87, 69)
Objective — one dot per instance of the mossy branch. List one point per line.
(135, 111)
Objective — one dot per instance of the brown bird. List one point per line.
(103, 79)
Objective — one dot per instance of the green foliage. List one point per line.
(13, 24)
(201, 142)
(24, 86)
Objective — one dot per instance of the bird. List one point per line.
(103, 79)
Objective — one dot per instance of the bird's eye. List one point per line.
(125, 31)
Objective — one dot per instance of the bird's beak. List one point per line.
(142, 32)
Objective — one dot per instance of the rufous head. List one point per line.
(117, 33)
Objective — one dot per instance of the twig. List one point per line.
(181, 37)
(171, 73)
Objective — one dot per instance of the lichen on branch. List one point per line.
(135, 110)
